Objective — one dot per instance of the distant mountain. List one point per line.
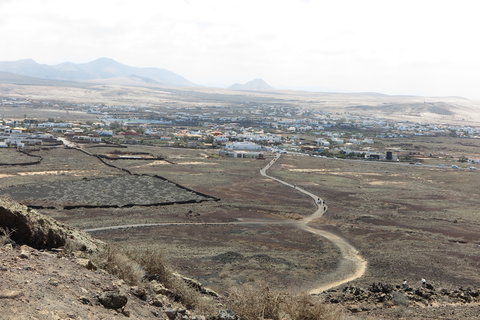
(103, 68)
(11, 78)
(255, 85)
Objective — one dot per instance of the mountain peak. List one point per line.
(255, 84)
(103, 61)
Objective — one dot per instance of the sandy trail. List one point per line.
(352, 266)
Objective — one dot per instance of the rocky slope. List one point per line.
(47, 272)
(48, 285)
(40, 231)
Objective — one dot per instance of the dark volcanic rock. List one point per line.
(113, 300)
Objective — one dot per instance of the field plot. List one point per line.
(116, 191)
(223, 255)
(236, 182)
(58, 164)
(10, 156)
(409, 222)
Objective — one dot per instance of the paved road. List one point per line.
(352, 266)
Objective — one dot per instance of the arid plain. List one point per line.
(408, 221)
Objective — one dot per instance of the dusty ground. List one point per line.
(48, 286)
(279, 253)
(226, 255)
(67, 177)
(408, 222)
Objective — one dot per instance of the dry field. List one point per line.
(58, 164)
(409, 222)
(437, 150)
(118, 191)
(245, 249)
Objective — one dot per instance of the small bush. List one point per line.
(306, 307)
(153, 262)
(116, 262)
(260, 302)
(134, 265)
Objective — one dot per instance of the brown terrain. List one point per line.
(406, 221)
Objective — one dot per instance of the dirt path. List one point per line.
(352, 266)
(165, 224)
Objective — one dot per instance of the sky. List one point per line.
(421, 47)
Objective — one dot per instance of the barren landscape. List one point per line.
(239, 160)
(388, 211)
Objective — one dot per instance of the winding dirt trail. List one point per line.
(352, 266)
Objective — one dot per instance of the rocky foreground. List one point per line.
(47, 285)
(406, 302)
(46, 273)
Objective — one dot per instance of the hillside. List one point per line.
(52, 271)
(12, 78)
(103, 68)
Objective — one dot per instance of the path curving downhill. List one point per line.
(352, 266)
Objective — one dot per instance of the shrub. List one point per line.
(116, 262)
(253, 302)
(155, 266)
(152, 262)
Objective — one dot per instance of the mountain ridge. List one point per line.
(101, 68)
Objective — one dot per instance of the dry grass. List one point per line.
(6, 235)
(134, 266)
(253, 302)
(153, 263)
(116, 262)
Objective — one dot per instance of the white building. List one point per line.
(105, 133)
(337, 140)
(221, 139)
(323, 142)
(244, 145)
(242, 154)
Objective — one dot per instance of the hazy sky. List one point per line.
(426, 47)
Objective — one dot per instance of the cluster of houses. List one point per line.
(19, 137)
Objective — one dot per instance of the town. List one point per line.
(247, 131)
